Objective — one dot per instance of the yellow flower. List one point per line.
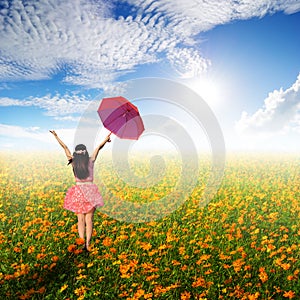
(80, 291)
(90, 265)
(30, 249)
(65, 286)
(81, 276)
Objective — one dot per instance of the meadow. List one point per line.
(243, 245)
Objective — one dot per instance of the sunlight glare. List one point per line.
(208, 89)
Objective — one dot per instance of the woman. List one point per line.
(84, 197)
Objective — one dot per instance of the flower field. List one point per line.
(243, 245)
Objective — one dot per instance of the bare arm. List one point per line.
(67, 151)
(96, 151)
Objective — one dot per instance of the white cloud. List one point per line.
(94, 47)
(279, 114)
(18, 138)
(40, 38)
(12, 131)
(193, 16)
(186, 19)
(68, 118)
(187, 62)
(54, 106)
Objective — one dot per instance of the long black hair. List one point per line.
(80, 162)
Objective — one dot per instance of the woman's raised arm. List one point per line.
(96, 151)
(67, 151)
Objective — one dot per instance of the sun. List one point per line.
(208, 88)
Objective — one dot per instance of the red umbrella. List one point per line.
(121, 117)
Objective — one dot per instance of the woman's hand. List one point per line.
(53, 132)
(67, 151)
(108, 138)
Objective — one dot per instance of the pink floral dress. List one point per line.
(85, 195)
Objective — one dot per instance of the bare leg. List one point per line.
(81, 225)
(89, 226)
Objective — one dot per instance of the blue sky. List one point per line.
(241, 57)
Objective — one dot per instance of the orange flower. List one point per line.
(254, 296)
(74, 228)
(224, 257)
(285, 266)
(123, 294)
(183, 268)
(148, 296)
(42, 290)
(139, 293)
(78, 251)
(55, 258)
(203, 257)
(152, 277)
(175, 262)
(71, 248)
(124, 268)
(270, 247)
(289, 294)
(199, 282)
(107, 242)
(122, 256)
(145, 246)
(263, 276)
(80, 241)
(237, 264)
(246, 268)
(185, 295)
(41, 256)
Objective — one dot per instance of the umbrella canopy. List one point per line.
(121, 117)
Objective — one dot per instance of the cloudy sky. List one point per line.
(240, 56)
